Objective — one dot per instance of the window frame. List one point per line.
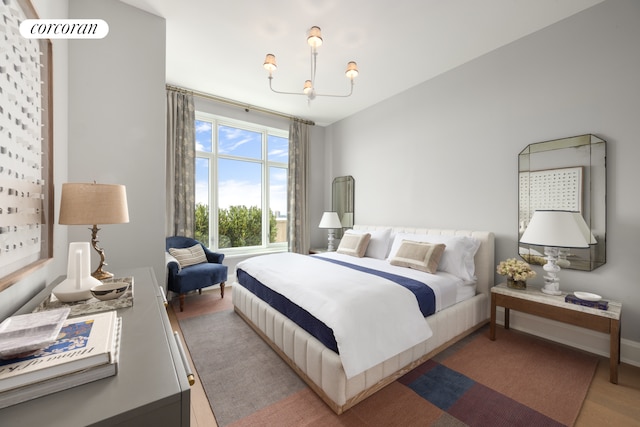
(266, 164)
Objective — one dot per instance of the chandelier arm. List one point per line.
(338, 96)
(283, 93)
(314, 58)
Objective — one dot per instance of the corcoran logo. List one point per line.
(64, 28)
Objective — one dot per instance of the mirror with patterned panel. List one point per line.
(565, 174)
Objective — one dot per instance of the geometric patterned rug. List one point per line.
(469, 401)
(517, 380)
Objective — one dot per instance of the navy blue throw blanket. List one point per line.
(424, 294)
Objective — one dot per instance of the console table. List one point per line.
(533, 301)
(150, 388)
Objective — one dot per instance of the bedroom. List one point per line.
(574, 77)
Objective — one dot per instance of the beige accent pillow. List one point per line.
(189, 256)
(354, 244)
(421, 256)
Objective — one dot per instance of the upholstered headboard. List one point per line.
(484, 260)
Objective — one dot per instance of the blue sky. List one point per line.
(238, 180)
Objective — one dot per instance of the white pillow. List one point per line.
(458, 256)
(189, 256)
(378, 244)
(354, 244)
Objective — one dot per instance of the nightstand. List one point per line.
(533, 301)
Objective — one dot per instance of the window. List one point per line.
(241, 171)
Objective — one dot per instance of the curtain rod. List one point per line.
(246, 107)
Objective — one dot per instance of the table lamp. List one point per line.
(331, 221)
(93, 204)
(556, 230)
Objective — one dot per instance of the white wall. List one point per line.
(444, 154)
(117, 127)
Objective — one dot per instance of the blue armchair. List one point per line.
(184, 279)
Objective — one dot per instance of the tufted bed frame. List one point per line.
(321, 368)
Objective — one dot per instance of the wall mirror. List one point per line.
(342, 193)
(565, 174)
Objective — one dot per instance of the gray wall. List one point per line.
(117, 127)
(444, 154)
(109, 115)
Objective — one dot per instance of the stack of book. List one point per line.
(601, 304)
(86, 350)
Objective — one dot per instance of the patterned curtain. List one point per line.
(298, 223)
(180, 181)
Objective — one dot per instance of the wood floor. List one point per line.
(606, 404)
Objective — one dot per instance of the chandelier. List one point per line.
(314, 40)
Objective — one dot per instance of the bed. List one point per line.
(332, 372)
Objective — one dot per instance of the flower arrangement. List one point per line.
(515, 269)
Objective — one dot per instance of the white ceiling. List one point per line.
(218, 47)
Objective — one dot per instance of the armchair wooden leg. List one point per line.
(200, 291)
(222, 290)
(181, 302)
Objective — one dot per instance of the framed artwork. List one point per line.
(550, 189)
(26, 147)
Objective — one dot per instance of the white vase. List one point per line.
(77, 286)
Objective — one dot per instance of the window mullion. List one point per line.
(213, 190)
(265, 190)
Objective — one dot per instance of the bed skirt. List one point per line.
(322, 369)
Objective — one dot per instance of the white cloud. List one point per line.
(202, 192)
(238, 193)
(278, 154)
(203, 126)
(233, 138)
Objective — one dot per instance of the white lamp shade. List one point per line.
(315, 37)
(562, 229)
(270, 62)
(330, 220)
(93, 204)
(352, 70)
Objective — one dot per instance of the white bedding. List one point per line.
(390, 311)
(449, 289)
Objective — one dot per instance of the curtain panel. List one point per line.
(180, 164)
(298, 224)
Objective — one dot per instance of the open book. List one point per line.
(86, 350)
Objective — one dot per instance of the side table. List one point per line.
(533, 301)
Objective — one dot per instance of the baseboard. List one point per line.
(573, 336)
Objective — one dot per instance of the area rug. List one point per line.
(517, 380)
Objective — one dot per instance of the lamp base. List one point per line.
(551, 291)
(552, 281)
(100, 274)
(330, 240)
